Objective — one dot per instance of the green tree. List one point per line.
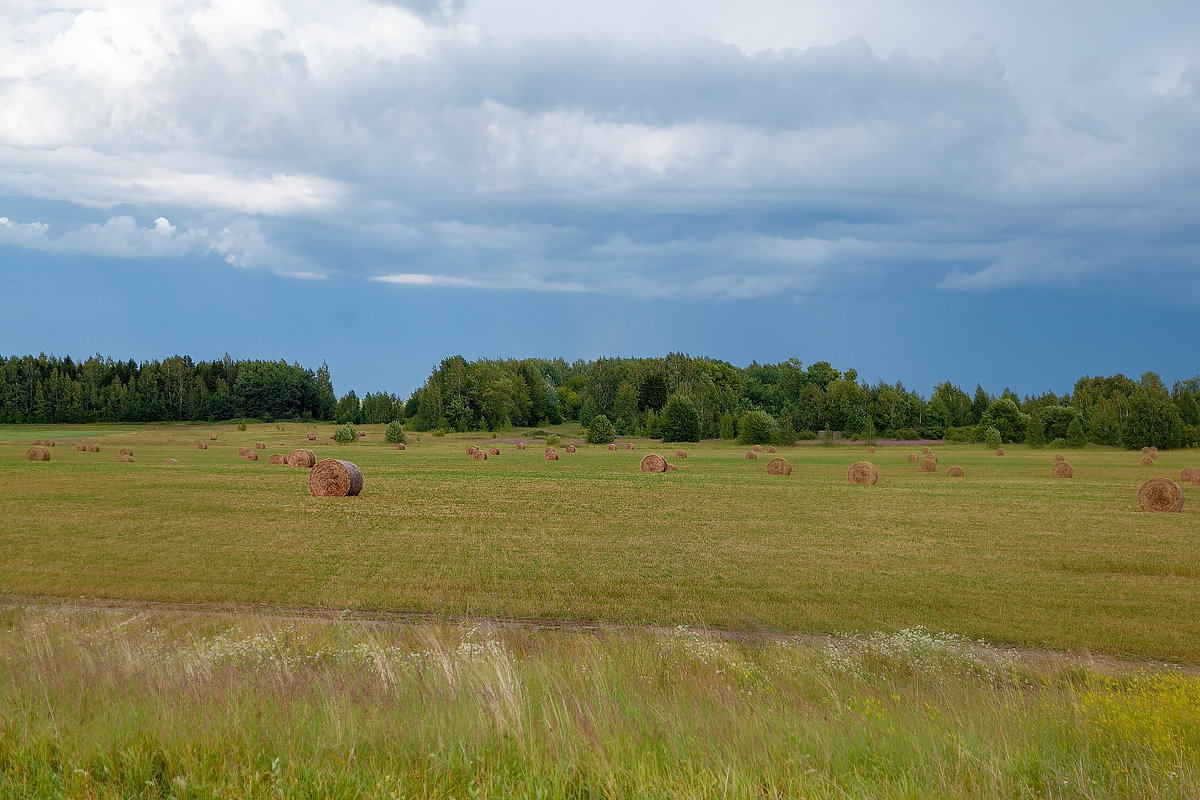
(680, 422)
(348, 410)
(1035, 431)
(1004, 416)
(394, 434)
(992, 437)
(601, 431)
(1153, 420)
(345, 434)
(757, 427)
(728, 430)
(1075, 435)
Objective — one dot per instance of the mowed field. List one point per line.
(1007, 554)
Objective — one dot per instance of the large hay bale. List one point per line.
(37, 453)
(93, 448)
(750, 454)
(551, 455)
(493, 451)
(1059, 457)
(335, 478)
(312, 437)
(927, 465)
(1147, 461)
(124, 458)
(612, 446)
(48, 443)
(779, 466)
(520, 445)
(302, 459)
(251, 456)
(81, 448)
(570, 448)
(863, 473)
(277, 459)
(912, 458)
(629, 445)
(1190, 475)
(400, 445)
(757, 448)
(653, 462)
(242, 451)
(201, 445)
(1160, 496)
(479, 455)
(999, 451)
(260, 445)
(680, 454)
(1062, 469)
(956, 472)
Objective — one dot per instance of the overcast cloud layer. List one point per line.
(735, 153)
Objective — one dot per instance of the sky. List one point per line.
(1005, 194)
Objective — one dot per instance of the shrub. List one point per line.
(553, 439)
(241, 426)
(1058, 444)
(394, 434)
(680, 421)
(992, 437)
(906, 434)
(537, 432)
(345, 434)
(867, 434)
(806, 436)
(601, 431)
(1075, 435)
(757, 427)
(964, 434)
(438, 432)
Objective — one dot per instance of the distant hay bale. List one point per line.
(242, 451)
(93, 448)
(37, 453)
(479, 455)
(124, 458)
(520, 445)
(400, 445)
(493, 451)
(771, 448)
(1145, 451)
(670, 467)
(1062, 469)
(331, 437)
(170, 461)
(48, 443)
(757, 448)
(925, 451)
(362, 434)
(912, 458)
(927, 465)
(680, 454)
(870, 449)
(302, 459)
(251, 456)
(551, 455)
(126, 451)
(779, 466)
(1147, 461)
(472, 450)
(212, 438)
(312, 437)
(81, 448)
(260, 445)
(1059, 457)
(1154, 452)
(629, 445)
(750, 454)
(612, 446)
(653, 462)
(863, 473)
(277, 459)
(956, 472)
(1190, 475)
(1160, 496)
(335, 478)
(201, 445)
(38, 442)
(999, 451)
(570, 448)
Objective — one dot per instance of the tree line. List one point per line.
(676, 395)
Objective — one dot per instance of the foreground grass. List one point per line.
(1007, 553)
(116, 704)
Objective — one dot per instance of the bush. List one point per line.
(345, 434)
(867, 434)
(601, 431)
(680, 421)
(394, 434)
(806, 436)
(552, 439)
(1075, 435)
(992, 437)
(1058, 444)
(906, 434)
(964, 434)
(241, 426)
(757, 427)
(439, 432)
(537, 432)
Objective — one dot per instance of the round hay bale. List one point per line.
(400, 445)
(771, 449)
(242, 451)
(260, 445)
(312, 437)
(629, 445)
(48, 443)
(302, 459)
(870, 449)
(493, 451)
(570, 448)
(362, 434)
(212, 438)
(653, 462)
(1062, 469)
(520, 445)
(1059, 457)
(757, 448)
(201, 445)
(551, 455)
(37, 453)
(81, 448)
(1147, 461)
(126, 451)
(863, 473)
(1160, 496)
(680, 454)
(1190, 475)
(251, 456)
(1153, 452)
(331, 437)
(1145, 451)
(750, 454)
(170, 461)
(335, 478)
(912, 458)
(927, 465)
(93, 448)
(124, 458)
(670, 467)
(925, 451)
(612, 446)
(479, 455)
(999, 451)
(472, 450)
(38, 442)
(779, 466)
(956, 472)
(277, 459)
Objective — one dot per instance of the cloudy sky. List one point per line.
(1005, 193)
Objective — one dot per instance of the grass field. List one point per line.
(177, 630)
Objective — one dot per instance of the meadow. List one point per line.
(517, 627)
